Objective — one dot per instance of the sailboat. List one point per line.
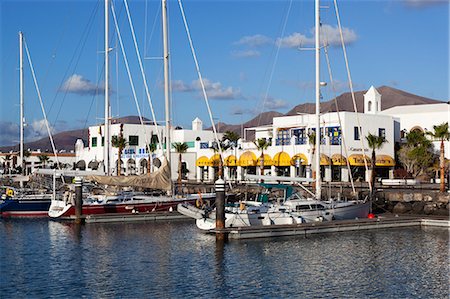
(292, 208)
(20, 202)
(127, 203)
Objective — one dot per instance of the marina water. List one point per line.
(43, 259)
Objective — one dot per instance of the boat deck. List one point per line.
(305, 229)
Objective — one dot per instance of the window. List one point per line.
(283, 137)
(382, 133)
(103, 141)
(335, 135)
(356, 133)
(94, 141)
(133, 140)
(369, 105)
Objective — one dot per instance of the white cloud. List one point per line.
(214, 90)
(79, 85)
(274, 104)
(245, 54)
(329, 34)
(423, 3)
(179, 85)
(9, 132)
(256, 40)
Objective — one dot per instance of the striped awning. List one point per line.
(282, 159)
(301, 159)
(358, 160)
(338, 160)
(267, 160)
(384, 160)
(230, 161)
(247, 159)
(324, 160)
(203, 161)
(215, 160)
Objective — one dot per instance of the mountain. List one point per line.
(390, 97)
(66, 140)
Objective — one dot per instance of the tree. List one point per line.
(231, 136)
(180, 148)
(216, 149)
(375, 142)
(261, 144)
(120, 142)
(417, 154)
(43, 159)
(312, 144)
(26, 154)
(7, 158)
(151, 149)
(441, 133)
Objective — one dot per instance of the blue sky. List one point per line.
(248, 52)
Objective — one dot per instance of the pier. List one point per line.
(306, 229)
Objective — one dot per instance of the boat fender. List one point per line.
(10, 192)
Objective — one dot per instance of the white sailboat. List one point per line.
(130, 203)
(294, 208)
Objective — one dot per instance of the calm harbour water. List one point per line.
(41, 259)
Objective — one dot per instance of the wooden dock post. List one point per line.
(220, 209)
(78, 199)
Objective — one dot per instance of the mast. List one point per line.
(317, 52)
(107, 112)
(166, 79)
(21, 101)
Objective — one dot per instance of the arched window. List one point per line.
(369, 106)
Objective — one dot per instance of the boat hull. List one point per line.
(66, 211)
(24, 208)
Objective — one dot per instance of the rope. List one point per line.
(205, 96)
(124, 55)
(41, 103)
(274, 63)
(144, 79)
(351, 90)
(338, 115)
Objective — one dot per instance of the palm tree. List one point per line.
(120, 142)
(441, 133)
(26, 154)
(180, 148)
(43, 159)
(151, 149)
(261, 144)
(312, 144)
(375, 142)
(215, 147)
(231, 136)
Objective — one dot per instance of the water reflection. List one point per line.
(51, 259)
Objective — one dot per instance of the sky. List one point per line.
(253, 57)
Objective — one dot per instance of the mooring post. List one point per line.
(78, 199)
(220, 208)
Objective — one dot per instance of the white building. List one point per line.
(422, 118)
(135, 156)
(290, 153)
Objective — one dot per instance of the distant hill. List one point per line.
(391, 97)
(66, 140)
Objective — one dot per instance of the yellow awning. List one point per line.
(203, 161)
(324, 160)
(301, 157)
(215, 160)
(247, 159)
(338, 160)
(384, 160)
(230, 161)
(358, 160)
(267, 160)
(282, 159)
